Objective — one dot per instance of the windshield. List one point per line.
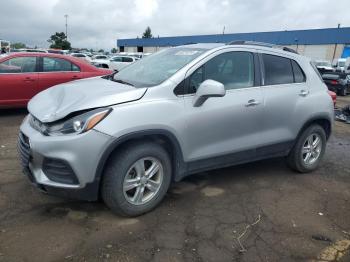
(155, 69)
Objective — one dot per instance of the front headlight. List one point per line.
(77, 124)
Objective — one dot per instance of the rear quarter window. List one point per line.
(299, 75)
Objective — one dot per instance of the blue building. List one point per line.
(323, 44)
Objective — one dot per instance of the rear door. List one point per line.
(54, 71)
(18, 80)
(285, 92)
(226, 125)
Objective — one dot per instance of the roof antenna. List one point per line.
(223, 31)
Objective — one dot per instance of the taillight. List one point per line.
(334, 82)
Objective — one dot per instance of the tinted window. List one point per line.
(57, 64)
(127, 59)
(299, 75)
(116, 59)
(196, 79)
(19, 65)
(278, 70)
(100, 57)
(233, 69)
(75, 68)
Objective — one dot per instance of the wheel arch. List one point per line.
(160, 136)
(323, 120)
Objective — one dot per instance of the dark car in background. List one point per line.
(337, 82)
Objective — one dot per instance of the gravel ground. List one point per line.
(255, 212)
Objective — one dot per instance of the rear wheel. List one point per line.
(308, 150)
(136, 179)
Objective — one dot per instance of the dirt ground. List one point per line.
(255, 212)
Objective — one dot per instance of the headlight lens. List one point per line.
(77, 124)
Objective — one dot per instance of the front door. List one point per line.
(226, 125)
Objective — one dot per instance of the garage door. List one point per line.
(317, 52)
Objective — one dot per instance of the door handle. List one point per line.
(75, 77)
(304, 93)
(28, 79)
(252, 102)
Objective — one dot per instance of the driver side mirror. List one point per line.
(209, 88)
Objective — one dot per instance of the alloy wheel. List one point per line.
(143, 180)
(311, 149)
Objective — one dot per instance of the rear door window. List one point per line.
(278, 70)
(51, 64)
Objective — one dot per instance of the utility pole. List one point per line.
(223, 30)
(335, 47)
(66, 16)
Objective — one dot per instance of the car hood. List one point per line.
(59, 101)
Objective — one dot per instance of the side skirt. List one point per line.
(265, 152)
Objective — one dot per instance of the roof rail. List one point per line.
(244, 42)
(284, 48)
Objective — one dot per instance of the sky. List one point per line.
(98, 23)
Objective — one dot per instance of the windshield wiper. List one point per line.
(122, 82)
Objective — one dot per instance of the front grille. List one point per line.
(23, 147)
(59, 171)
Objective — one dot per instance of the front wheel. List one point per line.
(136, 179)
(308, 150)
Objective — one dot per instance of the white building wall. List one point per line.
(130, 49)
(149, 49)
(320, 52)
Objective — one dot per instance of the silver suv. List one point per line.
(180, 111)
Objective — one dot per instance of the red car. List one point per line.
(23, 75)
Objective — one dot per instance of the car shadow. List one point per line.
(13, 112)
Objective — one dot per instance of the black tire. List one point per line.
(295, 158)
(116, 170)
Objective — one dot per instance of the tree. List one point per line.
(59, 41)
(147, 33)
(114, 50)
(18, 45)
